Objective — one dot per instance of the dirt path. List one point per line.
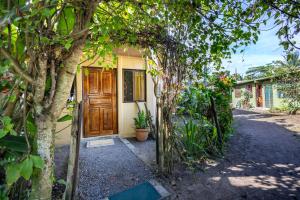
(262, 162)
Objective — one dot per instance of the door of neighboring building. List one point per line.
(268, 96)
(259, 98)
(99, 98)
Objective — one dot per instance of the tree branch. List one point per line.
(16, 66)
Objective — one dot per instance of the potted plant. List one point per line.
(141, 126)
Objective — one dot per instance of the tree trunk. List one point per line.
(42, 182)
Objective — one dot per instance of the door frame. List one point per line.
(117, 100)
(257, 93)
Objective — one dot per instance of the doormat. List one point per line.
(144, 191)
(100, 143)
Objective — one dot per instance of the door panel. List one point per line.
(94, 117)
(268, 96)
(93, 83)
(107, 83)
(107, 119)
(99, 98)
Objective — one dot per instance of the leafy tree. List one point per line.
(41, 44)
(237, 77)
(291, 60)
(287, 77)
(260, 71)
(287, 18)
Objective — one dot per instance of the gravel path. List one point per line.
(262, 162)
(146, 151)
(107, 170)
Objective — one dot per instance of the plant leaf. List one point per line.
(66, 21)
(65, 118)
(12, 174)
(14, 143)
(2, 133)
(38, 162)
(26, 168)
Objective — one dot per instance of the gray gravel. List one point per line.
(146, 151)
(110, 169)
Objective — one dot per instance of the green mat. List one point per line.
(144, 191)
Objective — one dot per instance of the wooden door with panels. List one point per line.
(99, 98)
(259, 98)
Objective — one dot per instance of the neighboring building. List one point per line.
(109, 96)
(264, 93)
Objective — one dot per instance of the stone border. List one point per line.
(135, 152)
(158, 187)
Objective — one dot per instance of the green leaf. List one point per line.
(12, 174)
(2, 133)
(14, 143)
(20, 47)
(66, 21)
(26, 168)
(6, 120)
(65, 118)
(31, 127)
(68, 44)
(38, 162)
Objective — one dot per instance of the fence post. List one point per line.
(72, 175)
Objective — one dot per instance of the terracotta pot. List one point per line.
(141, 134)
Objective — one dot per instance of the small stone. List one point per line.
(173, 183)
(179, 179)
(190, 188)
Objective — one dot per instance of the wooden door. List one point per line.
(99, 98)
(259, 100)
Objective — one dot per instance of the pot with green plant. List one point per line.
(141, 126)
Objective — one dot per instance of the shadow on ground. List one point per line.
(262, 162)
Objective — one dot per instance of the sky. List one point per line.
(266, 50)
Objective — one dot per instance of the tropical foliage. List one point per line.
(41, 43)
(288, 79)
(141, 120)
(198, 136)
(246, 96)
(291, 61)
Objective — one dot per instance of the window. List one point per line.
(134, 85)
(237, 93)
(280, 94)
(249, 88)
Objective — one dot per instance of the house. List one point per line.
(109, 91)
(263, 93)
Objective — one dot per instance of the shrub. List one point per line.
(141, 121)
(198, 139)
(198, 135)
(247, 95)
